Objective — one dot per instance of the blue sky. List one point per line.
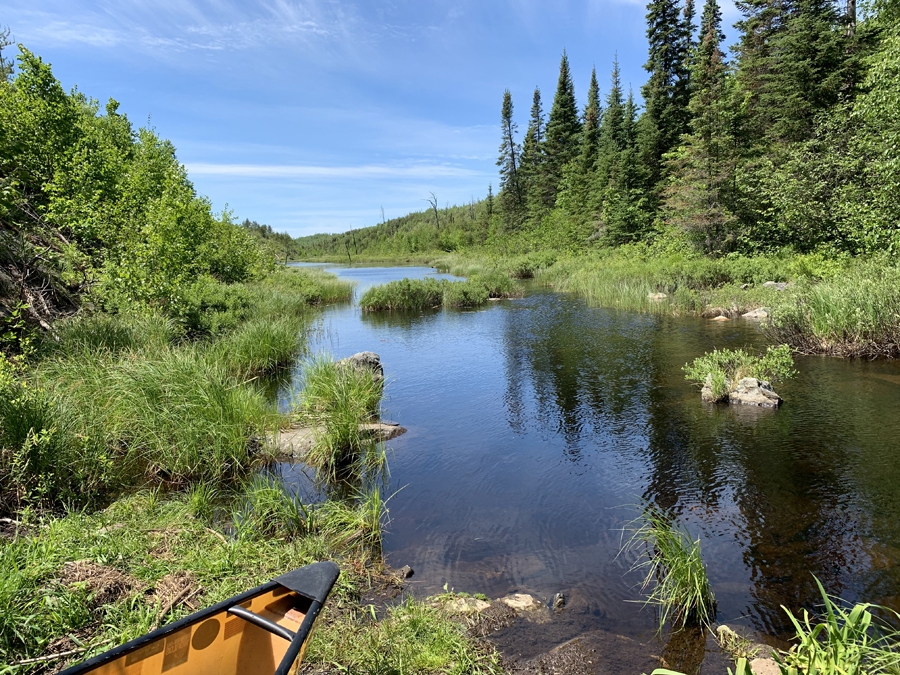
(312, 115)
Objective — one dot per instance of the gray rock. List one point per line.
(761, 666)
(366, 361)
(706, 393)
(559, 601)
(777, 285)
(405, 572)
(657, 296)
(757, 314)
(750, 391)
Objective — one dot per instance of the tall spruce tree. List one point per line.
(590, 139)
(698, 197)
(665, 94)
(532, 163)
(512, 204)
(562, 136)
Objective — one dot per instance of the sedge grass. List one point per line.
(673, 570)
(335, 399)
(429, 293)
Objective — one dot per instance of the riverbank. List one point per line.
(838, 306)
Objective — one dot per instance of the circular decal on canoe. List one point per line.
(205, 634)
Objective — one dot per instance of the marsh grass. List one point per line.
(413, 637)
(673, 570)
(334, 399)
(856, 314)
(404, 294)
(842, 639)
(430, 293)
(721, 369)
(261, 346)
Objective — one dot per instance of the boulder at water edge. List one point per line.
(750, 391)
(366, 361)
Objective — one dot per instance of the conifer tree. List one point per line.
(665, 93)
(531, 165)
(510, 196)
(590, 139)
(562, 136)
(698, 197)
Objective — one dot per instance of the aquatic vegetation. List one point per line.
(335, 399)
(673, 567)
(261, 346)
(404, 294)
(723, 368)
(429, 293)
(845, 640)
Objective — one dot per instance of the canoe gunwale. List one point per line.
(322, 575)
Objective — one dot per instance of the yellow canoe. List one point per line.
(262, 631)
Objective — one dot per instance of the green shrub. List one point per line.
(727, 367)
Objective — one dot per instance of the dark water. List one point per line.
(535, 423)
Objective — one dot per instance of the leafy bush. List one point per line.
(725, 368)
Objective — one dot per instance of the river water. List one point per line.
(536, 425)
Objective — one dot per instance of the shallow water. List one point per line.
(536, 424)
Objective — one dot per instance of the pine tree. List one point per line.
(562, 137)
(532, 164)
(510, 197)
(6, 65)
(665, 93)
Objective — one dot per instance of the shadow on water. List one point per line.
(533, 423)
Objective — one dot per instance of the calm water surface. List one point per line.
(536, 424)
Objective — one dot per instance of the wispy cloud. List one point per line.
(294, 171)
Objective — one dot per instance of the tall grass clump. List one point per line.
(45, 460)
(497, 284)
(673, 567)
(111, 333)
(177, 414)
(856, 314)
(335, 399)
(404, 294)
(261, 346)
(461, 294)
(721, 369)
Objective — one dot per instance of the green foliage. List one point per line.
(675, 569)
(855, 314)
(413, 637)
(848, 641)
(727, 367)
(404, 294)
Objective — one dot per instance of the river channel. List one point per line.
(536, 425)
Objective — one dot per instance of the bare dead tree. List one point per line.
(434, 206)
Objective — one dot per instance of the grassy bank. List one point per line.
(818, 304)
(113, 400)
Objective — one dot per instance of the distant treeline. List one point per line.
(791, 143)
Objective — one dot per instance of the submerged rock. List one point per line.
(750, 391)
(522, 602)
(366, 361)
(757, 314)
